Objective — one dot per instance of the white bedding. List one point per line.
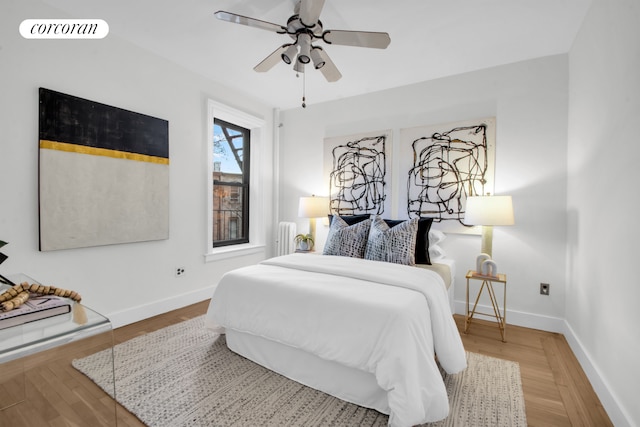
(382, 318)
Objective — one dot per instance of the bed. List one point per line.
(363, 330)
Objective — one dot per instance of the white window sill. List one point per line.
(233, 251)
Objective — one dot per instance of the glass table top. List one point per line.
(35, 336)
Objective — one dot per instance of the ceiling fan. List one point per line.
(305, 28)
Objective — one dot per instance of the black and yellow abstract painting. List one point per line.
(103, 174)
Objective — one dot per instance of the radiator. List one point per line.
(286, 236)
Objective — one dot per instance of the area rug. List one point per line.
(184, 375)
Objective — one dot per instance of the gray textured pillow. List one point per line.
(396, 244)
(347, 240)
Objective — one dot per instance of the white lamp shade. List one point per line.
(489, 210)
(313, 207)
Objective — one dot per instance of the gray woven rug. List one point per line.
(183, 376)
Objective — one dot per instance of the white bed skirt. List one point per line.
(349, 384)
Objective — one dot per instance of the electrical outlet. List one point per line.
(180, 271)
(544, 288)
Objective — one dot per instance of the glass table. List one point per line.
(28, 353)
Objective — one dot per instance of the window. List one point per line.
(235, 191)
(233, 228)
(231, 172)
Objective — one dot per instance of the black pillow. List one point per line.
(422, 239)
(352, 219)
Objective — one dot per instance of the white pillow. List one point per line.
(435, 237)
(436, 253)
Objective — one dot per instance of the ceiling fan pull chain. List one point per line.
(304, 88)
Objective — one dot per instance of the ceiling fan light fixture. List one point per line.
(290, 53)
(304, 59)
(298, 67)
(318, 62)
(304, 40)
(304, 26)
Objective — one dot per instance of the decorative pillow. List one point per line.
(396, 244)
(347, 240)
(422, 238)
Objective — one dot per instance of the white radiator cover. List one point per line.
(286, 236)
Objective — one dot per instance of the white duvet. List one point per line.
(386, 319)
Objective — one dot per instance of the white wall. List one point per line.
(131, 281)
(529, 100)
(603, 153)
(596, 91)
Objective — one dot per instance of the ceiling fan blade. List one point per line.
(329, 69)
(250, 22)
(310, 11)
(271, 60)
(357, 38)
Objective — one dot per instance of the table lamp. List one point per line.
(488, 211)
(313, 207)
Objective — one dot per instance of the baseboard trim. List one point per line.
(616, 413)
(154, 308)
(521, 318)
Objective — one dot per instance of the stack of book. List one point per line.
(35, 308)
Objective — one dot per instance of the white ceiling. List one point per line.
(429, 39)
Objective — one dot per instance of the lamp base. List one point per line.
(487, 240)
(312, 231)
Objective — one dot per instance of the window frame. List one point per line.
(244, 187)
(257, 127)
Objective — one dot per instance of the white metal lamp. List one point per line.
(289, 55)
(313, 207)
(318, 62)
(304, 40)
(488, 211)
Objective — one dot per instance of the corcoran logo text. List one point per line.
(64, 29)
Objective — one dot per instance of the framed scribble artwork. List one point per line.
(103, 174)
(444, 164)
(356, 167)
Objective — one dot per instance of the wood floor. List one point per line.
(556, 390)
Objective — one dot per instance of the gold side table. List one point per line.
(487, 283)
